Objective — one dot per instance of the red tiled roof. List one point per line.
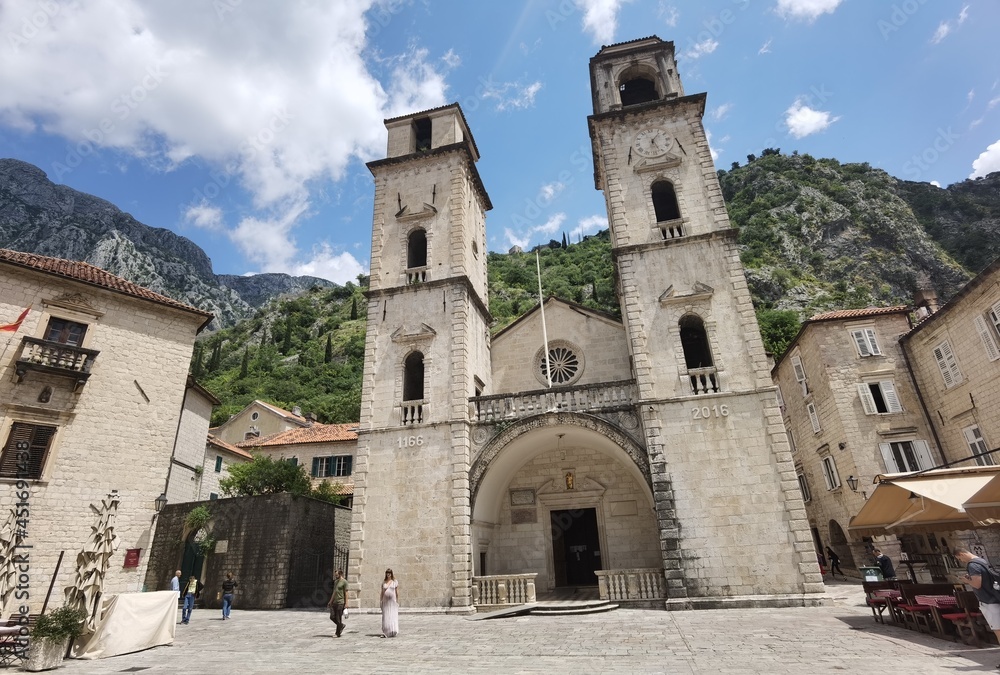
(95, 276)
(228, 447)
(317, 433)
(858, 313)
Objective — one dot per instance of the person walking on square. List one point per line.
(175, 583)
(885, 564)
(977, 574)
(228, 587)
(189, 593)
(834, 561)
(337, 601)
(389, 599)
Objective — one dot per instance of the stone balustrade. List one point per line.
(502, 590)
(55, 358)
(413, 412)
(634, 585)
(416, 275)
(704, 380)
(604, 396)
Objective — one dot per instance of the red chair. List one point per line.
(970, 626)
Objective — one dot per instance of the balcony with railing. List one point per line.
(55, 358)
(413, 412)
(586, 397)
(704, 380)
(416, 275)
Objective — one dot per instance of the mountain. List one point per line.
(38, 216)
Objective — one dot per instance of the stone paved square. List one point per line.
(840, 637)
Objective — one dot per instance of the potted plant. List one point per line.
(50, 637)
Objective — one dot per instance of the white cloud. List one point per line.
(714, 153)
(963, 15)
(451, 59)
(766, 48)
(699, 49)
(987, 162)
(970, 96)
(511, 94)
(589, 225)
(514, 239)
(549, 191)
(807, 10)
(721, 111)
(935, 183)
(941, 33)
(277, 97)
(600, 18)
(669, 14)
(803, 121)
(552, 225)
(205, 216)
(328, 264)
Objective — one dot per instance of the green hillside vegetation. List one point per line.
(815, 235)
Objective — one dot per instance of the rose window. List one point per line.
(563, 365)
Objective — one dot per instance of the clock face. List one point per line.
(652, 142)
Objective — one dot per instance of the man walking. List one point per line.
(977, 575)
(189, 593)
(834, 561)
(175, 583)
(338, 600)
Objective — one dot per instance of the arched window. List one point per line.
(416, 249)
(638, 90)
(665, 201)
(694, 340)
(413, 377)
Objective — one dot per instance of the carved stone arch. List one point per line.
(619, 437)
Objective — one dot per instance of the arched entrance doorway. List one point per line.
(838, 542)
(562, 496)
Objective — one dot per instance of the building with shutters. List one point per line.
(92, 385)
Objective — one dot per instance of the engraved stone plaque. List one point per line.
(522, 516)
(523, 497)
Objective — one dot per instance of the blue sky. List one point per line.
(244, 125)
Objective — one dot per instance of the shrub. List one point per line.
(60, 624)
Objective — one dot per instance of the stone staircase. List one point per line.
(561, 607)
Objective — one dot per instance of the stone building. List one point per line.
(217, 459)
(852, 413)
(326, 451)
(257, 420)
(92, 385)
(188, 459)
(648, 452)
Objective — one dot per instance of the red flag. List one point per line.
(17, 324)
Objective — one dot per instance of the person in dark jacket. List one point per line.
(228, 588)
(884, 564)
(834, 561)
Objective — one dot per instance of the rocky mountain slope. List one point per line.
(41, 217)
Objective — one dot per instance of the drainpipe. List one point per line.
(920, 397)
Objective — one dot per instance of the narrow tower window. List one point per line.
(665, 201)
(422, 133)
(638, 90)
(698, 356)
(416, 249)
(413, 377)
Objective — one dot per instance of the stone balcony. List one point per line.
(605, 396)
(55, 358)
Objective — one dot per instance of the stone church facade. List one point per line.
(646, 454)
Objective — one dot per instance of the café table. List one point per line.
(937, 603)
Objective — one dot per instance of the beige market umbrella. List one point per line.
(10, 538)
(984, 506)
(92, 562)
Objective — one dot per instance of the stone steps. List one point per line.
(572, 607)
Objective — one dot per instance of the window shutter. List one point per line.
(923, 453)
(315, 468)
(872, 342)
(800, 373)
(348, 465)
(992, 351)
(218, 464)
(867, 400)
(862, 344)
(888, 459)
(780, 399)
(37, 440)
(813, 417)
(891, 399)
(995, 316)
(947, 364)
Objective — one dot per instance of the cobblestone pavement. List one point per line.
(836, 638)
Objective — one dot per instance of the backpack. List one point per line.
(991, 578)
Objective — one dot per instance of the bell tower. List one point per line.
(733, 529)
(426, 353)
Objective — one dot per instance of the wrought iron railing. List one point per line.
(607, 395)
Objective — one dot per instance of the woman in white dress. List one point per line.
(389, 599)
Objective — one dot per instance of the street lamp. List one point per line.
(160, 502)
(852, 483)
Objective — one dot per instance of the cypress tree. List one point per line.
(286, 345)
(354, 309)
(245, 366)
(328, 355)
(564, 240)
(196, 361)
(213, 363)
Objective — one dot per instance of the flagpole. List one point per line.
(545, 335)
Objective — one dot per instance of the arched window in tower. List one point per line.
(698, 355)
(422, 134)
(413, 388)
(416, 257)
(638, 90)
(668, 213)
